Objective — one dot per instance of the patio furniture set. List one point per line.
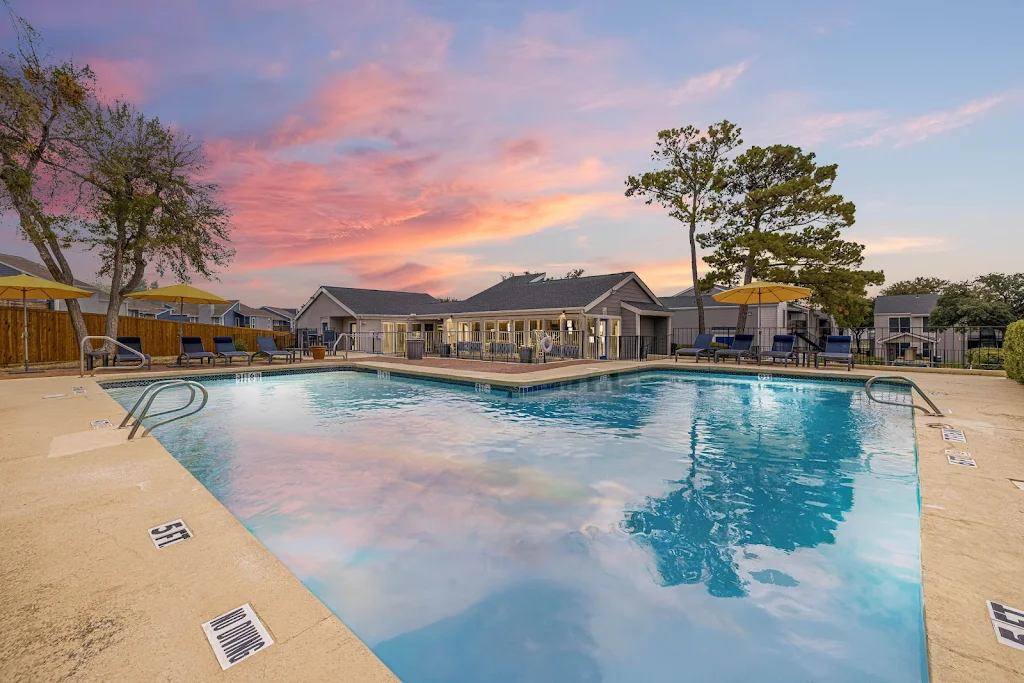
(837, 349)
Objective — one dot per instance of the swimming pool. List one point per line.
(652, 527)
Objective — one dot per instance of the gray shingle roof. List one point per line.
(911, 304)
(522, 294)
(281, 313)
(380, 301)
(690, 301)
(646, 305)
(14, 265)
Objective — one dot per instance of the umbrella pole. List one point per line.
(24, 324)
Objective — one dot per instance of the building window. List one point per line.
(252, 322)
(899, 325)
(216, 320)
(924, 324)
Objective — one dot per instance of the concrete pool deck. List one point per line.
(87, 596)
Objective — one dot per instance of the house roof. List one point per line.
(250, 312)
(283, 313)
(911, 304)
(531, 292)
(15, 265)
(646, 306)
(380, 301)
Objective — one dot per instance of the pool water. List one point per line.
(655, 527)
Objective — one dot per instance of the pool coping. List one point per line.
(967, 556)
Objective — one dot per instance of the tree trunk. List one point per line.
(693, 271)
(55, 263)
(748, 276)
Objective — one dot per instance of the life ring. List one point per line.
(546, 344)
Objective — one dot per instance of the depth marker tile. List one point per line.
(236, 635)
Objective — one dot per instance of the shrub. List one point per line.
(985, 358)
(240, 345)
(1013, 351)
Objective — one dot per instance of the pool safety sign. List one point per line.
(956, 435)
(236, 635)
(1008, 623)
(169, 534)
(963, 458)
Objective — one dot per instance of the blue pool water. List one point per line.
(657, 527)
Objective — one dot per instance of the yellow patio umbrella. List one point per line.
(181, 294)
(762, 293)
(27, 287)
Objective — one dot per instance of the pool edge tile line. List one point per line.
(515, 390)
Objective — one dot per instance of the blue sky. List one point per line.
(435, 145)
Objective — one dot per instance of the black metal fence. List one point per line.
(896, 345)
(498, 346)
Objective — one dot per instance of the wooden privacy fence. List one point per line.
(51, 337)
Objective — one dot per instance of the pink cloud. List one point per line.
(696, 87)
(126, 79)
(524, 150)
(921, 128)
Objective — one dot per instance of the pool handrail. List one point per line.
(931, 404)
(81, 368)
(152, 391)
(337, 341)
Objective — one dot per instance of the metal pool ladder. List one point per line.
(152, 391)
(935, 412)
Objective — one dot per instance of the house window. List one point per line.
(924, 324)
(217, 320)
(899, 325)
(252, 322)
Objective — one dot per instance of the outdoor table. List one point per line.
(91, 356)
(296, 353)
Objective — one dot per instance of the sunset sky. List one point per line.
(434, 145)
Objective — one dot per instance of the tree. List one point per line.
(1006, 288)
(781, 222)
(146, 203)
(919, 285)
(856, 316)
(574, 274)
(694, 171)
(967, 304)
(40, 123)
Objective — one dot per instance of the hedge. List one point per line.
(1013, 351)
(985, 358)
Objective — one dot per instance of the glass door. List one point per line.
(602, 338)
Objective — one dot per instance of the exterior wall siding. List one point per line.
(630, 291)
(322, 308)
(724, 316)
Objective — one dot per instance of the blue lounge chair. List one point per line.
(837, 348)
(701, 347)
(782, 349)
(740, 348)
(132, 343)
(269, 349)
(191, 349)
(224, 347)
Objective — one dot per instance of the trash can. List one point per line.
(446, 350)
(414, 349)
(525, 354)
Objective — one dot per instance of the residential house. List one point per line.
(17, 265)
(902, 332)
(594, 312)
(285, 318)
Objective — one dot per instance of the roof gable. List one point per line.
(379, 301)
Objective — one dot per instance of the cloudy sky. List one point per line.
(434, 145)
